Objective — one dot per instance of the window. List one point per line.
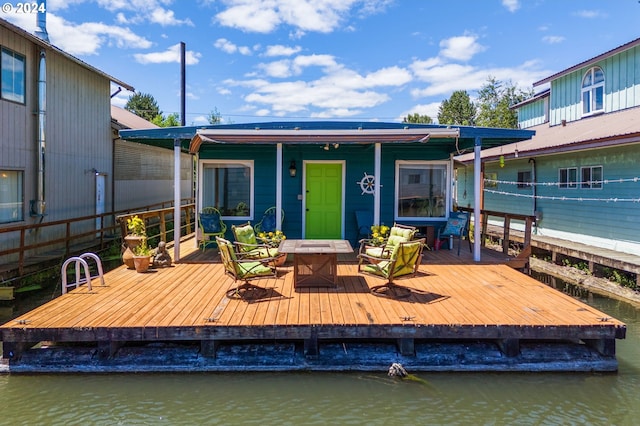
(228, 186)
(421, 190)
(524, 179)
(591, 177)
(11, 196)
(593, 91)
(568, 178)
(13, 76)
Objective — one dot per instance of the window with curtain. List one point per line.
(421, 190)
(12, 69)
(11, 196)
(228, 186)
(593, 91)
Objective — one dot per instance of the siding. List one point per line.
(533, 114)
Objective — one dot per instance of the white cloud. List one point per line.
(172, 54)
(229, 47)
(280, 50)
(143, 11)
(461, 48)
(553, 39)
(511, 5)
(430, 109)
(590, 14)
(304, 15)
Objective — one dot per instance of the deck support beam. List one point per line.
(209, 348)
(311, 348)
(606, 347)
(406, 346)
(509, 347)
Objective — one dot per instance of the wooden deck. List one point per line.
(460, 316)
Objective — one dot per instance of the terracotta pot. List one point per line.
(131, 241)
(141, 263)
(280, 259)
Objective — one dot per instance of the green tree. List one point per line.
(458, 109)
(214, 117)
(170, 120)
(143, 105)
(494, 101)
(417, 118)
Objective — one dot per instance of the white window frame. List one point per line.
(248, 163)
(12, 94)
(447, 184)
(568, 184)
(590, 90)
(12, 195)
(587, 184)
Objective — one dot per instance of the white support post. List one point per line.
(376, 183)
(477, 165)
(279, 186)
(176, 200)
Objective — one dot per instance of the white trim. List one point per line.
(591, 89)
(343, 163)
(278, 187)
(249, 163)
(447, 186)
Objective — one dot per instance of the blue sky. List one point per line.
(329, 59)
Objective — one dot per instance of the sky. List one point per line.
(356, 60)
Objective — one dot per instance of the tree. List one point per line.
(458, 109)
(214, 117)
(417, 118)
(170, 120)
(494, 102)
(143, 105)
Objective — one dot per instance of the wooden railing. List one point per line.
(70, 237)
(506, 226)
(163, 219)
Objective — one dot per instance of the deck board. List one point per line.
(450, 295)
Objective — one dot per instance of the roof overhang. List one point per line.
(299, 136)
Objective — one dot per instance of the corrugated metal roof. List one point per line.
(609, 129)
(42, 43)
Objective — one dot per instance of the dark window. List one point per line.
(567, 178)
(524, 179)
(591, 177)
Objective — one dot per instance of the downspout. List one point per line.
(38, 207)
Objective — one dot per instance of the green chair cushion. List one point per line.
(407, 234)
(394, 240)
(246, 235)
(252, 269)
(261, 253)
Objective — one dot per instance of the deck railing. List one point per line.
(75, 232)
(528, 220)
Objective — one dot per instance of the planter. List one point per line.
(280, 259)
(141, 263)
(131, 241)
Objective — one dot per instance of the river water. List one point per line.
(337, 398)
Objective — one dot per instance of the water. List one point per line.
(337, 398)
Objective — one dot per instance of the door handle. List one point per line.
(307, 209)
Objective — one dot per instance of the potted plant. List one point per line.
(273, 239)
(242, 209)
(379, 235)
(142, 256)
(137, 233)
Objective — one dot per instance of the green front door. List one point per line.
(323, 216)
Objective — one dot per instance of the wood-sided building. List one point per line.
(318, 174)
(579, 174)
(56, 157)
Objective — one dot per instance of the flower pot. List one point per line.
(280, 259)
(141, 263)
(127, 255)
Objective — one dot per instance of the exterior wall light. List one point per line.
(292, 169)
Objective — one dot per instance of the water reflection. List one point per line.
(349, 398)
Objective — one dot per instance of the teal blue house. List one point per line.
(579, 174)
(318, 174)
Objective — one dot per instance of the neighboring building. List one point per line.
(320, 173)
(580, 173)
(56, 157)
(143, 175)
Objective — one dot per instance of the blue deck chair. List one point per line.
(456, 227)
(364, 221)
(268, 221)
(211, 226)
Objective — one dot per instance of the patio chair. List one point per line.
(211, 225)
(405, 260)
(245, 270)
(268, 221)
(457, 226)
(247, 244)
(398, 234)
(364, 221)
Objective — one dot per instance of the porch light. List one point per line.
(292, 168)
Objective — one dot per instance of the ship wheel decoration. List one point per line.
(367, 183)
